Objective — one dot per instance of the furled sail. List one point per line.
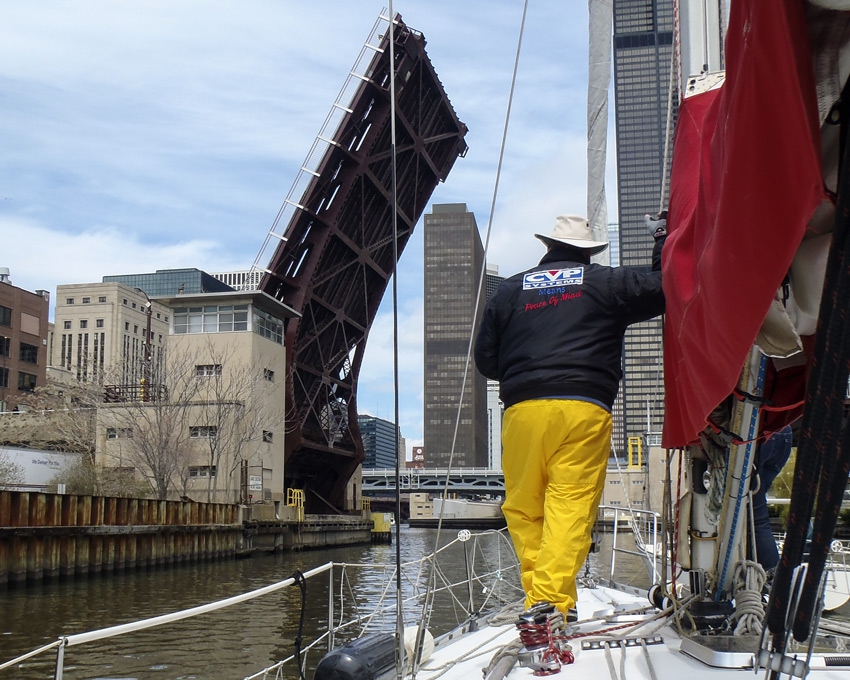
(746, 180)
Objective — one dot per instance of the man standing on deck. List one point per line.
(553, 336)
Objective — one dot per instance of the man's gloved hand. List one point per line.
(657, 224)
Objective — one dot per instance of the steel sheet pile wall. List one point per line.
(336, 254)
(44, 536)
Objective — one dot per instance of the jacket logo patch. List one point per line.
(552, 278)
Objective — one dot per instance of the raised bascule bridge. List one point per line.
(334, 253)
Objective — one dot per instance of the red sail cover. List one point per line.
(745, 181)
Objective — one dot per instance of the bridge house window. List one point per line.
(203, 431)
(211, 319)
(207, 370)
(268, 326)
(5, 316)
(202, 471)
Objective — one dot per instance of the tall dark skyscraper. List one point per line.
(643, 43)
(454, 259)
(643, 48)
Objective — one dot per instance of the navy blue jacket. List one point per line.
(556, 330)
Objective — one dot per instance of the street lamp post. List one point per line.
(146, 373)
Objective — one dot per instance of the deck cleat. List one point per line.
(543, 634)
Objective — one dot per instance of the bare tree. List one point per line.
(151, 429)
(62, 416)
(237, 405)
(10, 472)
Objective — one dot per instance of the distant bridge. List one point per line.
(477, 480)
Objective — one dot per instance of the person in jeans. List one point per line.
(771, 456)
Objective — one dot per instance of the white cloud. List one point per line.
(47, 257)
(146, 136)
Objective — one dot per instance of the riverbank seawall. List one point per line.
(45, 536)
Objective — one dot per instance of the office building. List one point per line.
(23, 341)
(491, 280)
(454, 260)
(100, 335)
(495, 407)
(246, 279)
(643, 42)
(222, 403)
(495, 411)
(379, 442)
(417, 462)
(172, 282)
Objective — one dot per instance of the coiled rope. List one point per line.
(748, 581)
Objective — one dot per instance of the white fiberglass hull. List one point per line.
(664, 656)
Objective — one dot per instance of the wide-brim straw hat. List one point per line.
(573, 230)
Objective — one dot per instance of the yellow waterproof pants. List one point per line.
(555, 452)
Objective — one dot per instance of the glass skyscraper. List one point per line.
(643, 43)
(454, 259)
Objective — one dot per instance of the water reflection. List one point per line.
(241, 640)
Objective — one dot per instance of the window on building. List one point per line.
(99, 323)
(127, 326)
(268, 437)
(5, 346)
(67, 325)
(84, 323)
(69, 301)
(268, 326)
(135, 329)
(210, 319)
(86, 300)
(119, 433)
(134, 305)
(125, 301)
(203, 431)
(207, 370)
(28, 353)
(158, 315)
(101, 298)
(202, 470)
(268, 374)
(5, 316)
(26, 381)
(4, 377)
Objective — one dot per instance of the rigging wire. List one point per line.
(675, 68)
(399, 598)
(426, 607)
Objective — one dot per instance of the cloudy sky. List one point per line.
(154, 134)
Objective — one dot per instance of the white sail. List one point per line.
(601, 14)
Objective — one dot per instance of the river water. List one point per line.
(241, 640)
